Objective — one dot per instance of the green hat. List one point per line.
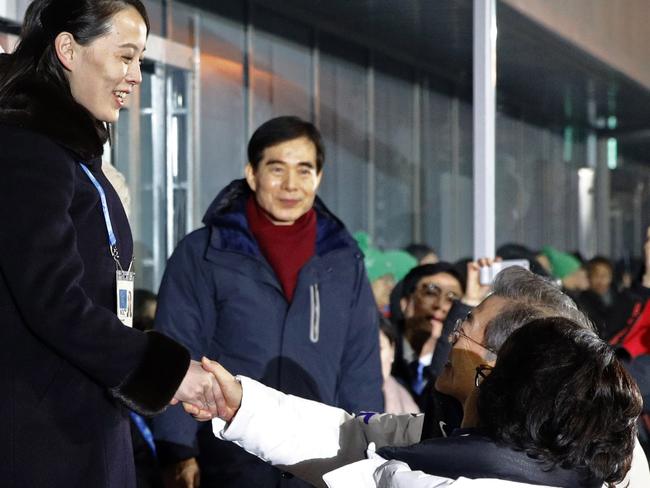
(363, 241)
(562, 264)
(378, 263)
(372, 257)
(398, 263)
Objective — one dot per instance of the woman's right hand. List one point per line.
(200, 389)
(228, 394)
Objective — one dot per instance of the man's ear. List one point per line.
(66, 49)
(250, 176)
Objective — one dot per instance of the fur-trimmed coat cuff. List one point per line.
(151, 386)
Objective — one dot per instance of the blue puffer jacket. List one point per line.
(220, 298)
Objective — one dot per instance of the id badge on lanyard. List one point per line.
(124, 279)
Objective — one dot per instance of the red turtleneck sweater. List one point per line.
(286, 247)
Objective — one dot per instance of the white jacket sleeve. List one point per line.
(379, 473)
(308, 438)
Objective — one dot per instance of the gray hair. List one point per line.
(529, 297)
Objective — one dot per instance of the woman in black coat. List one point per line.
(68, 365)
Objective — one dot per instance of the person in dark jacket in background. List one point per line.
(599, 300)
(273, 287)
(67, 363)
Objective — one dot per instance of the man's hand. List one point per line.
(184, 474)
(199, 388)
(228, 394)
(474, 291)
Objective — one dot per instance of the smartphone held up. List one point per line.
(488, 273)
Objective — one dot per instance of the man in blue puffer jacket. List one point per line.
(274, 288)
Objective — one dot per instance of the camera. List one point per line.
(488, 273)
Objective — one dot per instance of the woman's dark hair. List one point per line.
(559, 393)
(35, 58)
(282, 129)
(414, 276)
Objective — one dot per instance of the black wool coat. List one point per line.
(68, 366)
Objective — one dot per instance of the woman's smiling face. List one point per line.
(104, 72)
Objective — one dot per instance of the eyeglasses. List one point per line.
(458, 332)
(481, 371)
(431, 290)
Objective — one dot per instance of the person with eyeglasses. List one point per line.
(557, 409)
(428, 292)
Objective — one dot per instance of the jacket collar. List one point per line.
(473, 455)
(37, 106)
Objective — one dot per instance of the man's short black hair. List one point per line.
(282, 129)
(599, 261)
(559, 393)
(414, 276)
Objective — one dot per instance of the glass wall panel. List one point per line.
(182, 24)
(155, 11)
(512, 197)
(439, 161)
(343, 121)
(222, 107)
(281, 69)
(394, 154)
(536, 189)
(630, 208)
(456, 187)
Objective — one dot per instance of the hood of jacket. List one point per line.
(227, 212)
(37, 106)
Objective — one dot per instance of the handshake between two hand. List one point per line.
(208, 390)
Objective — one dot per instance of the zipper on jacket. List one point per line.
(314, 316)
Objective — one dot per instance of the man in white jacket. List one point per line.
(528, 413)
(518, 297)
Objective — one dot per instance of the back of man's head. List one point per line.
(529, 297)
(282, 129)
(559, 393)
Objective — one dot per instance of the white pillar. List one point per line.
(9, 10)
(603, 202)
(586, 211)
(485, 78)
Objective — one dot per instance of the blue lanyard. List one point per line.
(112, 241)
(144, 430)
